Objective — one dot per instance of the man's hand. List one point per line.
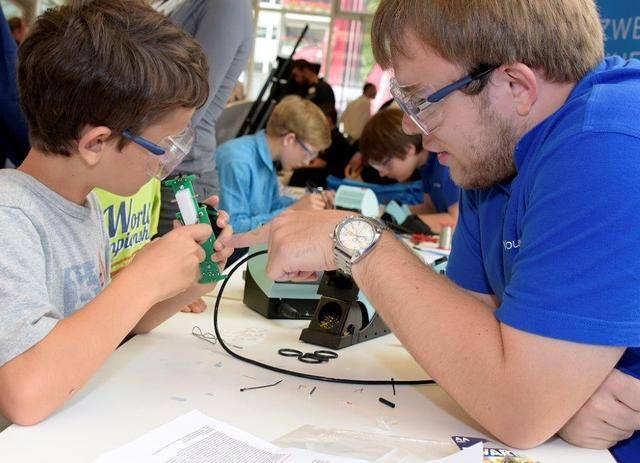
(309, 202)
(611, 414)
(300, 243)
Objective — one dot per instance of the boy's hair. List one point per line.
(15, 23)
(367, 86)
(383, 136)
(562, 38)
(301, 117)
(113, 63)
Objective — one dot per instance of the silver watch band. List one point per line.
(345, 258)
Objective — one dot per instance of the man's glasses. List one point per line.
(423, 104)
(168, 152)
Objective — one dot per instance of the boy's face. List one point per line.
(125, 172)
(296, 153)
(397, 168)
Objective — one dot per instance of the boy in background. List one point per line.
(249, 190)
(394, 154)
(103, 84)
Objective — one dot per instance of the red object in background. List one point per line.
(418, 238)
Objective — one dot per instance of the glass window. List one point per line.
(311, 6)
(286, 29)
(351, 60)
(359, 6)
(11, 10)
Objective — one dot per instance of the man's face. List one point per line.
(473, 139)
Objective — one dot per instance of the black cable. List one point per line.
(289, 372)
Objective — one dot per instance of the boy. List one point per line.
(130, 221)
(103, 84)
(296, 132)
(394, 154)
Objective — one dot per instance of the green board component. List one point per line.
(191, 213)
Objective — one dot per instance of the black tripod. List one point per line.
(276, 84)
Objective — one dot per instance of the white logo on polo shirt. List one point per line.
(509, 245)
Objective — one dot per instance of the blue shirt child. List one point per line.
(249, 188)
(437, 183)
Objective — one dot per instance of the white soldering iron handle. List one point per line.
(187, 207)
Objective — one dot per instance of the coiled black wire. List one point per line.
(368, 382)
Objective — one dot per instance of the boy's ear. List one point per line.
(411, 150)
(289, 139)
(92, 143)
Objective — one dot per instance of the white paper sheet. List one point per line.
(197, 438)
(471, 454)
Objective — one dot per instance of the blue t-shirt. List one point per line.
(560, 243)
(249, 188)
(437, 183)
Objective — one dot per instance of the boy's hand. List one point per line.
(223, 247)
(197, 306)
(309, 202)
(170, 265)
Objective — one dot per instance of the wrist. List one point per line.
(360, 269)
(138, 290)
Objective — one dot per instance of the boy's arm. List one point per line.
(427, 213)
(167, 308)
(426, 207)
(37, 381)
(436, 221)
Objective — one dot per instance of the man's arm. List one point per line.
(520, 386)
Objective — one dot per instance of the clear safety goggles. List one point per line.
(168, 153)
(423, 103)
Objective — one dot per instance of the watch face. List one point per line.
(356, 235)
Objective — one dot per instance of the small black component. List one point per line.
(290, 353)
(326, 354)
(311, 358)
(386, 402)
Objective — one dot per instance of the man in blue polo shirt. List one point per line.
(537, 329)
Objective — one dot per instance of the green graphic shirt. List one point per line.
(130, 221)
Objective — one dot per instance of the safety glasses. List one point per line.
(311, 155)
(423, 104)
(168, 153)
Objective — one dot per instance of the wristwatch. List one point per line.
(353, 238)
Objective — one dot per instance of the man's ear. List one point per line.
(92, 143)
(522, 86)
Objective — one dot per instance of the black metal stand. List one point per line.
(340, 320)
(277, 82)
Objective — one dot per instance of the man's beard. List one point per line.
(490, 159)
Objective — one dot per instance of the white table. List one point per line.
(155, 378)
